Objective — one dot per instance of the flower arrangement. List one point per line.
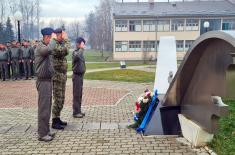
(141, 107)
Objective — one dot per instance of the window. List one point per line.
(135, 46)
(149, 46)
(180, 45)
(192, 25)
(149, 26)
(188, 44)
(163, 25)
(120, 25)
(135, 25)
(228, 24)
(121, 46)
(177, 25)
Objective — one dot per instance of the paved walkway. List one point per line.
(102, 131)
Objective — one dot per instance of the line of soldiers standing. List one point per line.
(17, 60)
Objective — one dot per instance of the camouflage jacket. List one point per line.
(59, 53)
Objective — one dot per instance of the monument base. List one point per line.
(193, 132)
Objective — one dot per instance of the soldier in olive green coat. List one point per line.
(44, 72)
(4, 61)
(79, 69)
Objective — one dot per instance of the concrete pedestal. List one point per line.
(193, 132)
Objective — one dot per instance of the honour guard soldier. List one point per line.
(61, 50)
(15, 60)
(4, 61)
(44, 73)
(79, 69)
(26, 59)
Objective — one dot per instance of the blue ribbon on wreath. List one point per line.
(148, 114)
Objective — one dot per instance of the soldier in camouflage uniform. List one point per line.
(44, 73)
(60, 52)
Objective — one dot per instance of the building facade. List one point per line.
(138, 26)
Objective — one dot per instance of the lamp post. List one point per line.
(18, 17)
(206, 25)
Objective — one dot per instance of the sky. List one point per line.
(69, 10)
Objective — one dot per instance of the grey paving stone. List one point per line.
(4, 128)
(91, 126)
(74, 127)
(19, 128)
(123, 125)
(109, 125)
(32, 129)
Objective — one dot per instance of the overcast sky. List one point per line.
(69, 10)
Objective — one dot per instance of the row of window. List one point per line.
(148, 46)
(166, 25)
(228, 24)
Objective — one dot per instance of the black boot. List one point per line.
(62, 123)
(56, 124)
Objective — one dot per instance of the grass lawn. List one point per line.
(93, 56)
(106, 65)
(224, 142)
(126, 75)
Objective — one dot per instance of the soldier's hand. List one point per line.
(64, 35)
(52, 44)
(53, 36)
(82, 45)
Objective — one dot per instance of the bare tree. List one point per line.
(74, 30)
(56, 23)
(99, 26)
(90, 28)
(30, 10)
(2, 10)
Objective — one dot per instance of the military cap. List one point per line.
(80, 39)
(47, 31)
(58, 30)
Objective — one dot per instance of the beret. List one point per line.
(47, 31)
(80, 39)
(58, 30)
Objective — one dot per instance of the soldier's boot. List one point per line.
(62, 123)
(79, 115)
(46, 138)
(56, 124)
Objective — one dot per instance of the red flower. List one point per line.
(148, 94)
(137, 106)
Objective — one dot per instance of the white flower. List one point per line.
(145, 100)
(140, 99)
